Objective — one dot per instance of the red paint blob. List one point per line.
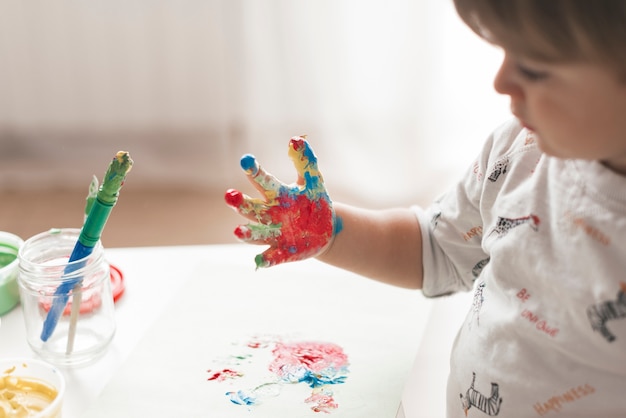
(234, 198)
(297, 143)
(242, 232)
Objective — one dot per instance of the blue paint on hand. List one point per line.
(338, 225)
(308, 153)
(249, 164)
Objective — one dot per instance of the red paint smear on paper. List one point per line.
(317, 364)
(224, 374)
(323, 400)
(313, 356)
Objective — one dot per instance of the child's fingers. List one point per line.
(263, 181)
(268, 258)
(258, 234)
(247, 234)
(304, 160)
(250, 208)
(279, 253)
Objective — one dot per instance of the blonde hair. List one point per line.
(552, 30)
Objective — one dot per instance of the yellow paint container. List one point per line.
(30, 388)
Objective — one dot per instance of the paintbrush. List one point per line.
(77, 295)
(90, 233)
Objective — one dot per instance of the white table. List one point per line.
(154, 276)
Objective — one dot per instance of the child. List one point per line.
(537, 227)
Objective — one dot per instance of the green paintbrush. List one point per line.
(90, 234)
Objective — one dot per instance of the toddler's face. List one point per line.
(577, 110)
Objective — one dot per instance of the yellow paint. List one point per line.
(302, 164)
(22, 397)
(122, 158)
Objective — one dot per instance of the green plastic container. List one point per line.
(9, 293)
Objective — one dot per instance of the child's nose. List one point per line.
(505, 81)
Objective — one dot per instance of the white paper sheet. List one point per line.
(225, 305)
(425, 390)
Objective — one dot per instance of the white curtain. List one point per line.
(394, 95)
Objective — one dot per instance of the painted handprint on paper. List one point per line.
(296, 220)
(319, 365)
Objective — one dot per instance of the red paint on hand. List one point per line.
(306, 228)
(297, 143)
(233, 198)
(242, 232)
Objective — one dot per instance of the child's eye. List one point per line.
(530, 74)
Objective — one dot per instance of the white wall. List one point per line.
(392, 94)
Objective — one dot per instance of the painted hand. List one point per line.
(297, 221)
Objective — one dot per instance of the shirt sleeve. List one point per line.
(452, 227)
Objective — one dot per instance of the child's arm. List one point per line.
(299, 221)
(385, 245)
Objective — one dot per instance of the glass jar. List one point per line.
(79, 292)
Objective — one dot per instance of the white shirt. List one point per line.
(542, 242)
